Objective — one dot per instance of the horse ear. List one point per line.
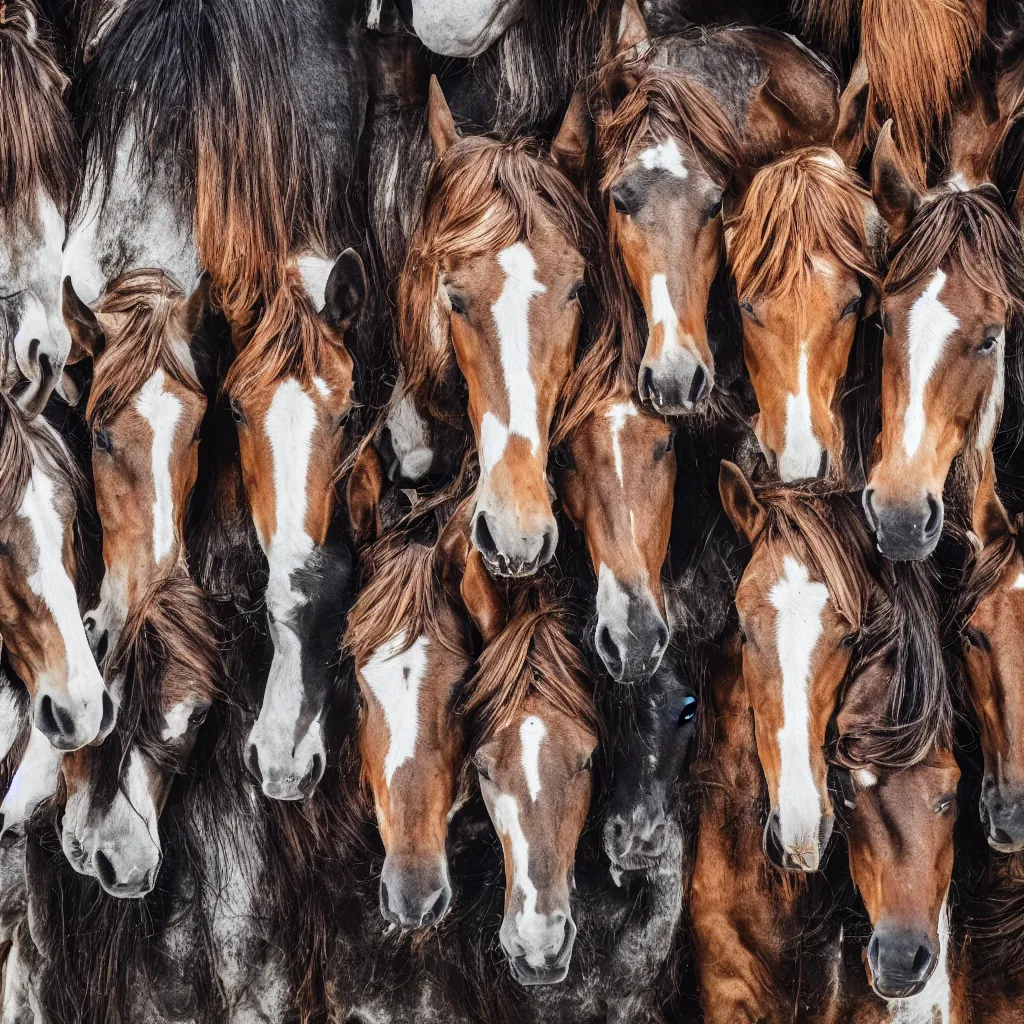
(739, 501)
(86, 334)
(363, 496)
(633, 31)
(440, 120)
(346, 291)
(571, 146)
(848, 140)
(989, 520)
(195, 307)
(896, 195)
(975, 135)
(483, 598)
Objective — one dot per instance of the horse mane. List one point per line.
(289, 337)
(807, 203)
(402, 595)
(482, 196)
(534, 653)
(37, 141)
(147, 338)
(831, 21)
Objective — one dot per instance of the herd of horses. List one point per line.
(512, 510)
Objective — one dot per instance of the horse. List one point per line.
(38, 175)
(46, 642)
(412, 658)
(489, 300)
(681, 124)
(145, 407)
(767, 944)
(532, 730)
(955, 278)
(615, 472)
(813, 604)
(805, 247)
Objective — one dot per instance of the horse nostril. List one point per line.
(252, 762)
(934, 523)
(312, 777)
(660, 640)
(1001, 836)
(609, 652)
(104, 869)
(483, 539)
(873, 953)
(646, 384)
(697, 384)
(922, 959)
(45, 721)
(107, 722)
(869, 508)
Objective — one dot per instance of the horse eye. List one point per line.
(344, 418)
(853, 306)
(620, 201)
(576, 291)
(944, 804)
(887, 323)
(481, 769)
(849, 640)
(458, 303)
(987, 345)
(715, 209)
(199, 714)
(236, 413)
(747, 308)
(101, 440)
(195, 434)
(563, 457)
(743, 636)
(588, 764)
(689, 712)
(670, 446)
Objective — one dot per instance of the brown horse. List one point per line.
(410, 642)
(491, 295)
(290, 388)
(805, 248)
(615, 472)
(165, 671)
(682, 122)
(145, 408)
(956, 275)
(42, 626)
(533, 731)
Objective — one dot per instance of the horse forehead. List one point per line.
(799, 601)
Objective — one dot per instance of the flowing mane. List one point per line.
(149, 337)
(482, 196)
(804, 205)
(596, 378)
(38, 152)
(532, 654)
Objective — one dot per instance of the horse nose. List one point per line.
(288, 784)
(508, 550)
(70, 724)
(1003, 815)
(124, 874)
(906, 531)
(414, 899)
(632, 845)
(901, 961)
(631, 635)
(675, 382)
(804, 858)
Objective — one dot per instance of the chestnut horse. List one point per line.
(682, 122)
(805, 249)
(489, 299)
(955, 278)
(37, 176)
(615, 471)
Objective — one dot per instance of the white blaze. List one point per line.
(532, 732)
(662, 310)
(798, 603)
(161, 410)
(801, 454)
(929, 326)
(394, 677)
(616, 417)
(665, 157)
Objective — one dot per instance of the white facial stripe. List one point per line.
(665, 157)
(394, 677)
(798, 603)
(532, 732)
(315, 272)
(51, 583)
(1018, 583)
(929, 326)
(531, 926)
(493, 439)
(410, 439)
(33, 782)
(161, 410)
(511, 311)
(865, 778)
(801, 456)
(663, 312)
(616, 417)
(176, 721)
(612, 603)
(994, 403)
(289, 426)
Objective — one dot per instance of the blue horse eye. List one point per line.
(689, 711)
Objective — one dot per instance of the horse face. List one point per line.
(796, 649)
(535, 780)
(900, 840)
(797, 346)
(942, 385)
(43, 628)
(465, 28)
(665, 215)
(515, 319)
(615, 476)
(411, 747)
(649, 760)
